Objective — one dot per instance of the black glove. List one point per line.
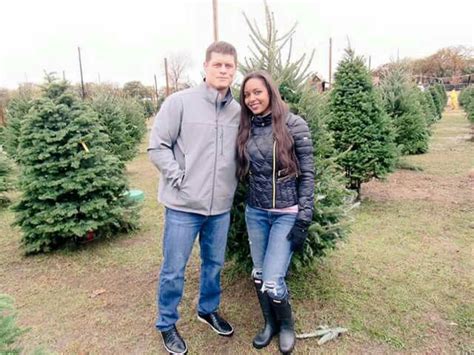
(298, 235)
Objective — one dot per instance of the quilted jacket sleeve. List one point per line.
(304, 153)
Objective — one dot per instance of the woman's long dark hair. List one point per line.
(286, 158)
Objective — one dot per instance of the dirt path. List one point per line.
(406, 185)
(447, 170)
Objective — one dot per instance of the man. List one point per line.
(192, 143)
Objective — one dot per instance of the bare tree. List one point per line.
(446, 62)
(178, 64)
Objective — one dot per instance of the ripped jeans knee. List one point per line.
(257, 273)
(257, 276)
(275, 289)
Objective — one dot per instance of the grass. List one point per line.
(401, 283)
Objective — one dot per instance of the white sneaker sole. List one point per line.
(229, 333)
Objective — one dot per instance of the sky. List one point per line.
(122, 41)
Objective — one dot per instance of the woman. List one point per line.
(275, 156)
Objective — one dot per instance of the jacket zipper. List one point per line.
(273, 175)
(222, 140)
(215, 154)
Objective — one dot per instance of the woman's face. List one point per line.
(256, 96)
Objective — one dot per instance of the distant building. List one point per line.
(317, 81)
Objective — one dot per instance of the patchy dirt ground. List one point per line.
(399, 290)
(406, 185)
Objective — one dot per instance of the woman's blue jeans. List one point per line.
(180, 231)
(270, 248)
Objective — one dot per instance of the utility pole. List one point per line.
(370, 62)
(330, 62)
(82, 78)
(166, 75)
(64, 75)
(156, 91)
(215, 17)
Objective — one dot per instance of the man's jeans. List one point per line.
(180, 231)
(270, 249)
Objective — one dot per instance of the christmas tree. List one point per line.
(123, 121)
(429, 107)
(9, 330)
(442, 93)
(466, 99)
(17, 109)
(72, 187)
(401, 102)
(331, 198)
(470, 111)
(267, 54)
(362, 131)
(439, 98)
(466, 96)
(5, 177)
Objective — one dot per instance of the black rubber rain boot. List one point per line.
(284, 316)
(263, 338)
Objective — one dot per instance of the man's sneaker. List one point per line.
(217, 323)
(173, 342)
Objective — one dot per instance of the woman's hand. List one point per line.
(298, 235)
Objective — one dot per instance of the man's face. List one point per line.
(220, 70)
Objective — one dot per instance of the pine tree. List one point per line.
(466, 99)
(2, 134)
(332, 200)
(331, 197)
(5, 177)
(17, 109)
(71, 185)
(442, 93)
(267, 54)
(123, 121)
(401, 102)
(362, 131)
(466, 96)
(470, 110)
(439, 98)
(431, 112)
(9, 330)
(135, 121)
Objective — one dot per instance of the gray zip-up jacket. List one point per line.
(192, 144)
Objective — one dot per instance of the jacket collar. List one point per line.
(212, 95)
(262, 120)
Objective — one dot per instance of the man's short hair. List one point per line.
(222, 48)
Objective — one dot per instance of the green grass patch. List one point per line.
(401, 282)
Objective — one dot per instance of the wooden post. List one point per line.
(167, 82)
(82, 78)
(215, 17)
(330, 62)
(156, 91)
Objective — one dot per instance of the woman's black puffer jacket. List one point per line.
(272, 188)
